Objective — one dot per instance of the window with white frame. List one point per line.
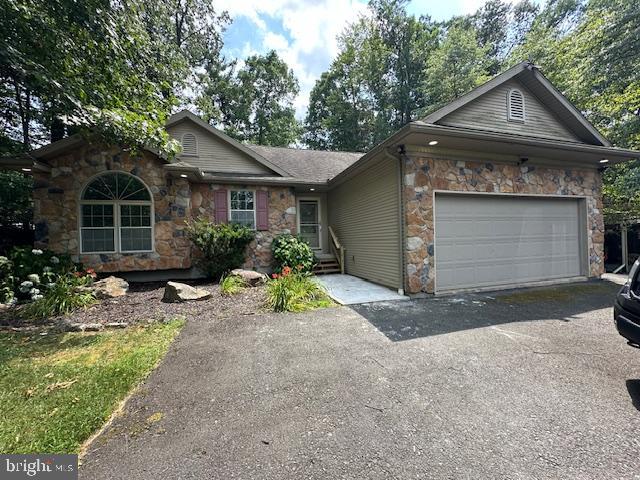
(242, 209)
(116, 213)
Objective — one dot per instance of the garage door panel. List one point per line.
(484, 241)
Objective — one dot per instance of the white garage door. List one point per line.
(486, 241)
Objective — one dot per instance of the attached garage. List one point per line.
(484, 240)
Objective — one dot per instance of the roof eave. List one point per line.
(614, 154)
(23, 163)
(244, 180)
(394, 138)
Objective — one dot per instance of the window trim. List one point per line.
(229, 209)
(195, 139)
(511, 118)
(117, 227)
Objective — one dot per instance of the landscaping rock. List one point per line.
(110, 287)
(251, 278)
(180, 292)
(81, 327)
(116, 325)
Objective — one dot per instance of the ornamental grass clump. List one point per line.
(295, 291)
(231, 285)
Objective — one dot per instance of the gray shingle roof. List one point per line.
(311, 165)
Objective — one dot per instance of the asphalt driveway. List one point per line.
(528, 384)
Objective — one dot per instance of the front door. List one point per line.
(310, 223)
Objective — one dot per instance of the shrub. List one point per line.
(231, 284)
(290, 251)
(66, 294)
(27, 272)
(295, 291)
(222, 245)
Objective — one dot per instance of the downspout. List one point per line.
(398, 158)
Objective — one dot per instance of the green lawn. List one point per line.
(56, 390)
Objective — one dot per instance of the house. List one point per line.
(501, 187)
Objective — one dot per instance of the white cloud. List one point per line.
(312, 27)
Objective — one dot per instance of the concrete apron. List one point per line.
(349, 290)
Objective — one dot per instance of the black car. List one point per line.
(626, 309)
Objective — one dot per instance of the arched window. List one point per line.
(116, 215)
(515, 105)
(189, 144)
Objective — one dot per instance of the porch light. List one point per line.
(312, 189)
(25, 169)
(433, 142)
(604, 160)
(183, 175)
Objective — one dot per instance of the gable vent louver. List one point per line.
(515, 106)
(189, 144)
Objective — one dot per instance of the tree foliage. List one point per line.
(590, 49)
(15, 198)
(459, 65)
(254, 103)
(113, 67)
(373, 87)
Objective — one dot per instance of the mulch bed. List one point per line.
(143, 304)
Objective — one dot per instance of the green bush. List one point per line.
(222, 245)
(68, 293)
(231, 284)
(293, 252)
(295, 292)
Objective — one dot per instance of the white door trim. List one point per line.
(318, 200)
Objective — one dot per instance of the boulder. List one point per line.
(251, 278)
(110, 287)
(179, 292)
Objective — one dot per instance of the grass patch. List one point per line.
(56, 390)
(231, 285)
(553, 294)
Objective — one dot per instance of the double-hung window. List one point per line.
(242, 209)
(116, 215)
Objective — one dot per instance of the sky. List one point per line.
(303, 32)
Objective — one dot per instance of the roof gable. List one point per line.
(552, 115)
(219, 152)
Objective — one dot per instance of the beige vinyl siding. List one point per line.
(215, 155)
(364, 213)
(489, 112)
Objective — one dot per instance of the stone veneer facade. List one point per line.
(423, 175)
(175, 200)
(56, 207)
(282, 218)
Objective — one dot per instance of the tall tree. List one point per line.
(373, 87)
(590, 50)
(492, 30)
(112, 67)
(255, 102)
(459, 65)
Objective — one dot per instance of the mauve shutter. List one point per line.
(262, 210)
(220, 200)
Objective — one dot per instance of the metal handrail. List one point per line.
(337, 248)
